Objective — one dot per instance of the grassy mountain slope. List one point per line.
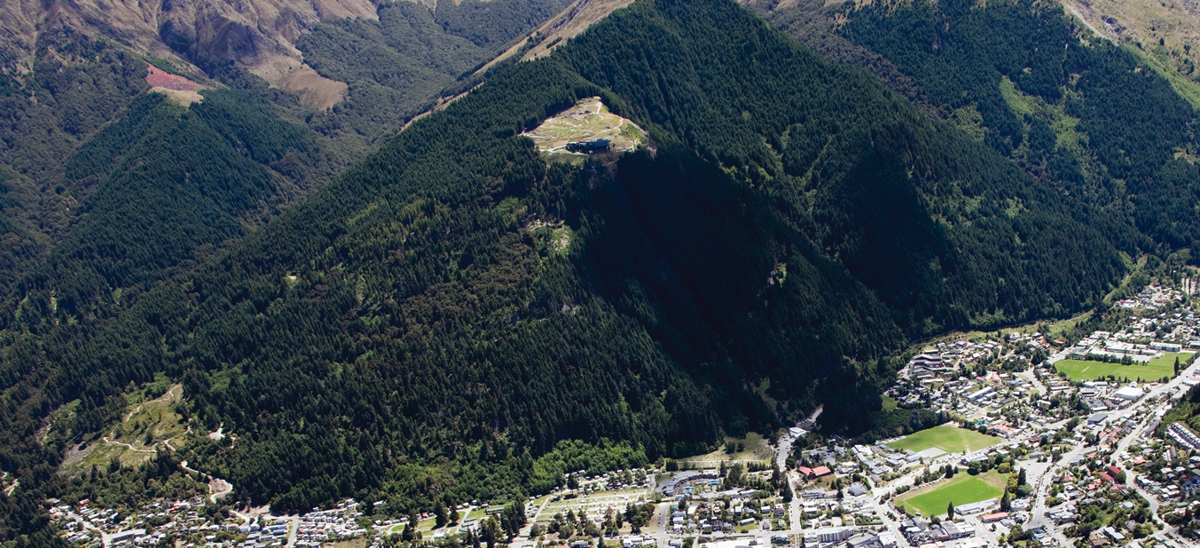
(1163, 34)
(258, 34)
(398, 64)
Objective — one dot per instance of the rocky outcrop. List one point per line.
(258, 34)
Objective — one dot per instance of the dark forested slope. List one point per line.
(941, 231)
(109, 192)
(98, 172)
(433, 324)
(1088, 117)
(173, 184)
(72, 90)
(58, 95)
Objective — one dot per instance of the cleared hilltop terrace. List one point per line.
(588, 120)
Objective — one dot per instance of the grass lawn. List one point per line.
(963, 489)
(755, 448)
(889, 403)
(1063, 325)
(1168, 360)
(948, 438)
(1155, 369)
(395, 528)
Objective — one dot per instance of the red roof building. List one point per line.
(995, 517)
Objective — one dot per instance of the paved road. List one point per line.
(1038, 474)
(884, 510)
(1042, 485)
(1123, 445)
(293, 527)
(1037, 385)
(664, 524)
(1042, 482)
(105, 538)
(464, 513)
(794, 510)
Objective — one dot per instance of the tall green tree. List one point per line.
(490, 532)
(513, 517)
(440, 517)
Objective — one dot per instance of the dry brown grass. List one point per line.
(315, 91)
(1163, 33)
(588, 119)
(572, 21)
(184, 98)
(580, 15)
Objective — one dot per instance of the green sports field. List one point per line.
(948, 438)
(1155, 369)
(962, 489)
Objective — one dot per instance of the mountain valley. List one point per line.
(371, 284)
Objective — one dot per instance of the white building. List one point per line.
(1128, 393)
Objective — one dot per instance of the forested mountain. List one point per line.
(454, 317)
(109, 192)
(794, 222)
(1096, 120)
(70, 228)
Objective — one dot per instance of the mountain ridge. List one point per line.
(75, 84)
(416, 277)
(793, 223)
(259, 35)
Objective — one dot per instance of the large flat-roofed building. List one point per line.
(1128, 393)
(976, 507)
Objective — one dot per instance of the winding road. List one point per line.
(1148, 414)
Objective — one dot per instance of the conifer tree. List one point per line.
(440, 519)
